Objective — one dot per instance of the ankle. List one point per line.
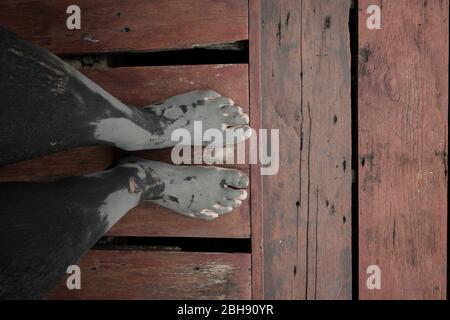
(149, 180)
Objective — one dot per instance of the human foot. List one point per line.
(194, 191)
(151, 127)
(180, 112)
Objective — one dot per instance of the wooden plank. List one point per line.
(403, 141)
(129, 274)
(306, 94)
(255, 123)
(325, 157)
(134, 25)
(280, 105)
(142, 86)
(74, 162)
(149, 219)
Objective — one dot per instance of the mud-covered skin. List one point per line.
(48, 106)
(151, 127)
(194, 191)
(207, 106)
(47, 226)
(52, 224)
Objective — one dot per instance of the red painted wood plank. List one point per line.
(281, 102)
(128, 274)
(149, 219)
(325, 155)
(305, 72)
(134, 25)
(255, 122)
(74, 162)
(141, 86)
(403, 145)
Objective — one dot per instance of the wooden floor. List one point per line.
(363, 127)
(403, 145)
(116, 26)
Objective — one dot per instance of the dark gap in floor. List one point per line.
(354, 49)
(228, 53)
(184, 244)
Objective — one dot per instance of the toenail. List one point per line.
(243, 195)
(243, 181)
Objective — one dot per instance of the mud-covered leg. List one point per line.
(47, 226)
(47, 106)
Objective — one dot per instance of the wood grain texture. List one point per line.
(403, 145)
(280, 108)
(74, 162)
(305, 72)
(255, 122)
(134, 25)
(325, 153)
(129, 274)
(142, 86)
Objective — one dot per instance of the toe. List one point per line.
(232, 109)
(236, 179)
(194, 96)
(236, 119)
(236, 194)
(220, 209)
(188, 98)
(204, 94)
(207, 214)
(208, 94)
(222, 101)
(233, 203)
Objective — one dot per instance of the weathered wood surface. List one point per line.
(142, 86)
(325, 155)
(403, 145)
(306, 206)
(74, 162)
(129, 274)
(280, 109)
(255, 123)
(133, 25)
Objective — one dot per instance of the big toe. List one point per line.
(207, 94)
(222, 102)
(236, 119)
(236, 179)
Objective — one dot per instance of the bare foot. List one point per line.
(151, 127)
(194, 191)
(213, 110)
